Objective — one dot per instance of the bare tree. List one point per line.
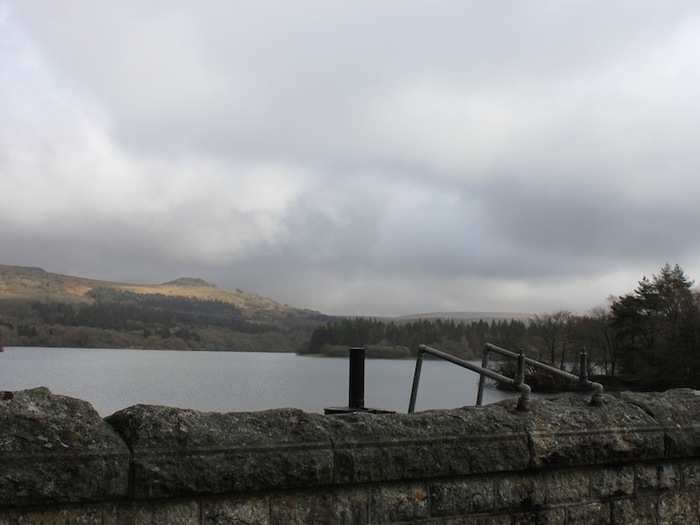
(554, 331)
(604, 338)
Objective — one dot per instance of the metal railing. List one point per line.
(518, 382)
(582, 378)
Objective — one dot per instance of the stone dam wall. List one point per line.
(633, 460)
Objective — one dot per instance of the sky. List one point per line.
(377, 158)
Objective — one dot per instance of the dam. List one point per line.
(635, 458)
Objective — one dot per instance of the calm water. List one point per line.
(228, 381)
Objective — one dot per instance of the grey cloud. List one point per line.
(388, 158)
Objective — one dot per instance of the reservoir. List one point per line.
(231, 381)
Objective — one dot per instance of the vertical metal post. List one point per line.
(482, 379)
(356, 395)
(416, 381)
(520, 375)
(524, 400)
(583, 368)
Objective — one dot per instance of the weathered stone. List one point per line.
(461, 496)
(567, 431)
(501, 519)
(519, 490)
(634, 511)
(404, 502)
(566, 485)
(347, 507)
(160, 513)
(595, 513)
(615, 481)
(677, 412)
(87, 515)
(429, 444)
(678, 508)
(561, 463)
(56, 449)
(664, 476)
(180, 452)
(690, 474)
(236, 511)
(543, 517)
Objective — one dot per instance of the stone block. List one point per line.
(236, 511)
(461, 442)
(502, 519)
(342, 507)
(519, 490)
(616, 481)
(461, 497)
(563, 486)
(595, 513)
(678, 508)
(155, 513)
(88, 515)
(664, 476)
(403, 502)
(676, 411)
(179, 452)
(490, 519)
(634, 511)
(56, 449)
(567, 431)
(542, 517)
(690, 474)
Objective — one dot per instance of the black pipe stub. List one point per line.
(356, 386)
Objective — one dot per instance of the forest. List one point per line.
(648, 338)
(119, 318)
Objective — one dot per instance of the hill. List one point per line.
(466, 316)
(43, 308)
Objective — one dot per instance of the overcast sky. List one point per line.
(356, 157)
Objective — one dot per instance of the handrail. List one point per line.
(518, 382)
(582, 378)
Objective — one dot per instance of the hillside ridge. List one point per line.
(41, 308)
(37, 284)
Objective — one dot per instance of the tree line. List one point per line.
(650, 335)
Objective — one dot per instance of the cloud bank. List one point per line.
(378, 158)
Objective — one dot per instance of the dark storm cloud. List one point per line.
(367, 157)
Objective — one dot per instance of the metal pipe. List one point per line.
(583, 368)
(356, 390)
(524, 401)
(416, 381)
(596, 398)
(533, 362)
(520, 377)
(524, 389)
(466, 364)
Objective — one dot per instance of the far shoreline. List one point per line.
(139, 349)
(335, 355)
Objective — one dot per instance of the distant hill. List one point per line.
(36, 284)
(39, 307)
(467, 316)
(190, 282)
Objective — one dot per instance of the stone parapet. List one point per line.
(56, 449)
(635, 459)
